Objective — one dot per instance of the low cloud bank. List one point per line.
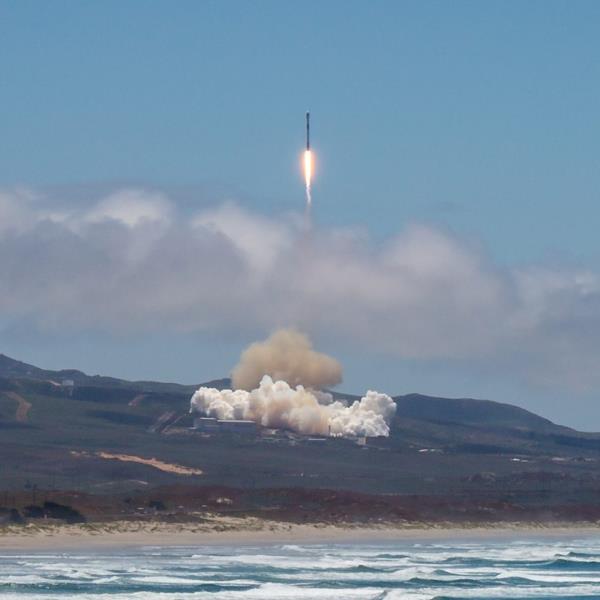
(130, 262)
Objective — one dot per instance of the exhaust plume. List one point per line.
(287, 355)
(276, 404)
(308, 169)
(278, 385)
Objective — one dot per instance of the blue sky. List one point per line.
(478, 119)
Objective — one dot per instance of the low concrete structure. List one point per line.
(206, 424)
(212, 425)
(238, 426)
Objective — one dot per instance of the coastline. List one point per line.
(253, 531)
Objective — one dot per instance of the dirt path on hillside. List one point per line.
(22, 412)
(150, 462)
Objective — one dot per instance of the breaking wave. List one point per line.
(540, 569)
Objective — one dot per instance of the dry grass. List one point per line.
(23, 407)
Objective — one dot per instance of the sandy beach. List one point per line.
(252, 531)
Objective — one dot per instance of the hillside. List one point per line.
(109, 436)
(15, 369)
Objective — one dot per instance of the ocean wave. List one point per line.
(484, 570)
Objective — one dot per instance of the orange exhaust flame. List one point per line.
(308, 171)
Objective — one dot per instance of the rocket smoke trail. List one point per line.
(308, 165)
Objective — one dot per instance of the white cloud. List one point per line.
(131, 207)
(131, 263)
(258, 239)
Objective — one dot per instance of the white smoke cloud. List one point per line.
(279, 381)
(130, 262)
(286, 355)
(278, 405)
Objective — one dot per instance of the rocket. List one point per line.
(307, 131)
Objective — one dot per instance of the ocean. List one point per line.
(541, 568)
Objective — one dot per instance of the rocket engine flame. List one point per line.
(308, 170)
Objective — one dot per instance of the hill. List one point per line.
(102, 435)
(15, 369)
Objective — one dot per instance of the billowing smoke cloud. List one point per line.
(279, 383)
(286, 355)
(130, 262)
(276, 404)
